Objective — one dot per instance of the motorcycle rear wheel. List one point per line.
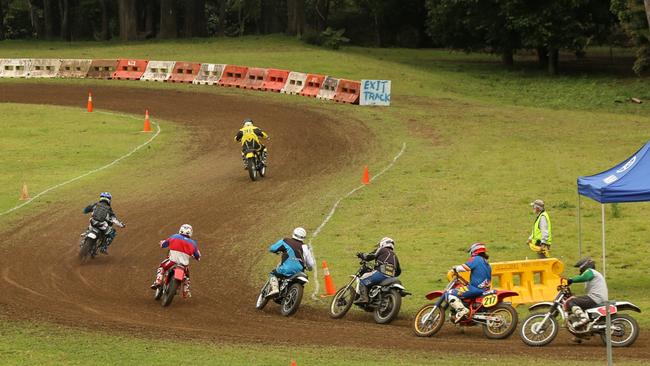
(430, 326)
(342, 302)
(158, 293)
(628, 333)
(169, 291)
(262, 300)
(544, 336)
(387, 311)
(252, 170)
(86, 250)
(508, 324)
(292, 300)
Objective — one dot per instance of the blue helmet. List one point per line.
(105, 196)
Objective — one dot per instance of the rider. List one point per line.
(296, 256)
(249, 136)
(102, 219)
(181, 248)
(596, 291)
(386, 266)
(479, 282)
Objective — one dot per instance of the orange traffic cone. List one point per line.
(365, 179)
(24, 195)
(329, 284)
(90, 102)
(147, 123)
(293, 363)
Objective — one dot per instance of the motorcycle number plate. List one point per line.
(490, 300)
(179, 274)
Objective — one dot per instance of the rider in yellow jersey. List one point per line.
(249, 136)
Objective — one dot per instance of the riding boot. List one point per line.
(583, 318)
(158, 281)
(186, 288)
(275, 287)
(245, 161)
(363, 295)
(459, 308)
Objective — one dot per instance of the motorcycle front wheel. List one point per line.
(292, 300)
(625, 330)
(342, 302)
(505, 326)
(169, 291)
(428, 320)
(252, 170)
(536, 332)
(262, 300)
(388, 308)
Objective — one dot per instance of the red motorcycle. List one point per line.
(498, 318)
(173, 279)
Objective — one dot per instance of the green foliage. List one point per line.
(635, 21)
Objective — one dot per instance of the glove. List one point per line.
(569, 281)
(361, 256)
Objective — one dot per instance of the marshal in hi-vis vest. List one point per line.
(537, 233)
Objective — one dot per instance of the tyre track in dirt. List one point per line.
(46, 282)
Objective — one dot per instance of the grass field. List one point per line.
(482, 142)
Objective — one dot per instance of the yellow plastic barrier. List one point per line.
(535, 280)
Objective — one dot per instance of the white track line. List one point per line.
(158, 130)
(336, 205)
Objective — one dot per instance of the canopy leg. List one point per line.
(579, 228)
(608, 318)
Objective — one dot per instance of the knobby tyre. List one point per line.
(625, 331)
(170, 292)
(252, 169)
(85, 250)
(342, 302)
(389, 307)
(535, 333)
(291, 302)
(428, 320)
(505, 326)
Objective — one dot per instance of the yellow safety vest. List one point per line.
(537, 233)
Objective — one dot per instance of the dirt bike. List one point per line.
(173, 279)
(93, 239)
(498, 318)
(539, 329)
(385, 298)
(255, 163)
(290, 295)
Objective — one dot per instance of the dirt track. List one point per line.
(46, 282)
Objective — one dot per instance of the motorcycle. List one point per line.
(385, 298)
(498, 318)
(539, 329)
(173, 279)
(290, 295)
(93, 239)
(255, 163)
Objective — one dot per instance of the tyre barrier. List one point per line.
(158, 71)
(43, 68)
(130, 69)
(185, 72)
(313, 84)
(233, 76)
(328, 89)
(102, 69)
(74, 68)
(348, 91)
(254, 78)
(14, 67)
(209, 74)
(295, 83)
(275, 80)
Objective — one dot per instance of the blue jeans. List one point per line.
(375, 278)
(470, 293)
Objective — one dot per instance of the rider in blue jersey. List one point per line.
(479, 282)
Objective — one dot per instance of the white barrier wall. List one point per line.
(295, 83)
(14, 67)
(328, 89)
(73, 68)
(44, 68)
(158, 71)
(209, 74)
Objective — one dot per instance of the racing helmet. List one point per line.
(186, 230)
(476, 249)
(248, 122)
(386, 242)
(584, 263)
(299, 234)
(105, 197)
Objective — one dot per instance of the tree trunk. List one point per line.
(128, 20)
(104, 30)
(377, 30)
(553, 60)
(222, 18)
(194, 25)
(507, 58)
(33, 18)
(168, 28)
(323, 11)
(48, 18)
(149, 30)
(291, 17)
(542, 57)
(64, 10)
(2, 21)
(647, 11)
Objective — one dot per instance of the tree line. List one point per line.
(499, 26)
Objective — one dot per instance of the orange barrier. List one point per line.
(102, 69)
(254, 78)
(275, 80)
(44, 68)
(209, 74)
(233, 76)
(295, 83)
(74, 68)
(130, 69)
(348, 91)
(329, 283)
(313, 83)
(185, 72)
(328, 89)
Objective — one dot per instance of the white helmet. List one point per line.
(299, 234)
(186, 230)
(387, 242)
